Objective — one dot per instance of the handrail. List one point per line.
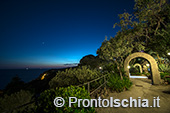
(92, 80)
(88, 83)
(78, 85)
(98, 88)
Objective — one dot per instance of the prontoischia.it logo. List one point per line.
(59, 102)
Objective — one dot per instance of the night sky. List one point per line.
(51, 33)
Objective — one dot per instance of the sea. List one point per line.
(26, 75)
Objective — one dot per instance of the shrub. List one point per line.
(91, 60)
(168, 80)
(163, 74)
(74, 76)
(110, 68)
(9, 102)
(45, 101)
(134, 70)
(115, 83)
(137, 73)
(15, 85)
(164, 67)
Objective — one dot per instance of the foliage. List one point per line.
(163, 76)
(152, 17)
(148, 74)
(168, 80)
(110, 68)
(137, 73)
(134, 70)
(74, 76)
(164, 67)
(116, 84)
(115, 50)
(145, 30)
(91, 60)
(15, 85)
(45, 103)
(153, 26)
(161, 44)
(9, 102)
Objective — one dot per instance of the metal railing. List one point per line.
(88, 84)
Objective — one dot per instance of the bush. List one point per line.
(163, 74)
(168, 80)
(110, 68)
(116, 84)
(45, 103)
(91, 60)
(164, 67)
(74, 76)
(15, 85)
(134, 70)
(8, 103)
(137, 73)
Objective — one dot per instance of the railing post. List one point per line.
(104, 81)
(89, 87)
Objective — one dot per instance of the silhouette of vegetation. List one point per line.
(15, 85)
(92, 61)
(9, 103)
(74, 76)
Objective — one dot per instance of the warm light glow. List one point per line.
(128, 67)
(43, 76)
(169, 53)
(147, 65)
(100, 67)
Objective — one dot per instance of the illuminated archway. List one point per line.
(140, 67)
(154, 68)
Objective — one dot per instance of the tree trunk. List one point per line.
(118, 67)
(120, 72)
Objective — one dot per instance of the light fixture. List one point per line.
(43, 76)
(169, 53)
(147, 65)
(100, 67)
(128, 67)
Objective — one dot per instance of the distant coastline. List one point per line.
(26, 75)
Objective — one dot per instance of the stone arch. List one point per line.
(140, 67)
(154, 68)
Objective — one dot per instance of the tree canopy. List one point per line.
(147, 29)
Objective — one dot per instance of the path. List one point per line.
(141, 88)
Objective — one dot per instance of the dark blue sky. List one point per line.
(50, 33)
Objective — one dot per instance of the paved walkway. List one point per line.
(141, 88)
